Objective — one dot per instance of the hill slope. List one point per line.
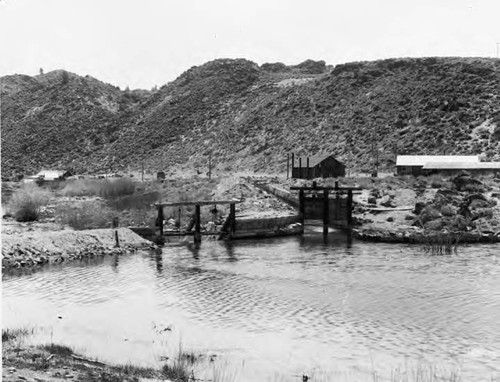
(249, 117)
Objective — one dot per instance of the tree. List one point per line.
(65, 77)
(41, 71)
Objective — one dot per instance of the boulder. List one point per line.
(434, 225)
(429, 213)
(464, 182)
(448, 210)
(387, 201)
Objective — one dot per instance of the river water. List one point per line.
(276, 309)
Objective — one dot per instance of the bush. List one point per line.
(100, 187)
(84, 215)
(26, 202)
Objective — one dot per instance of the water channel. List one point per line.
(274, 309)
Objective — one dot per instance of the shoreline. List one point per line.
(429, 238)
(37, 247)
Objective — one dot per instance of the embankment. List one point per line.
(34, 247)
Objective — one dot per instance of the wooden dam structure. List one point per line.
(317, 205)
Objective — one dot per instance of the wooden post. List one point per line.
(117, 240)
(293, 163)
(300, 168)
(232, 221)
(287, 165)
(307, 174)
(302, 207)
(160, 219)
(210, 165)
(116, 223)
(337, 201)
(326, 212)
(197, 224)
(349, 208)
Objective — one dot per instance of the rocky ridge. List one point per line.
(249, 116)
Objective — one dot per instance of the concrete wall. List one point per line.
(257, 224)
(284, 195)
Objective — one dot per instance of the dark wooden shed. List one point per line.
(325, 166)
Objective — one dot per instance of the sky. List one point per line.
(143, 43)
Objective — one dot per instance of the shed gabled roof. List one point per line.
(421, 160)
(313, 160)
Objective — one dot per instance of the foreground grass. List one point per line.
(22, 362)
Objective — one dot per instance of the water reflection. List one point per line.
(115, 262)
(313, 237)
(282, 305)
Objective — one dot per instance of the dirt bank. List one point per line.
(28, 248)
(21, 362)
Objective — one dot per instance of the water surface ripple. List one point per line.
(285, 306)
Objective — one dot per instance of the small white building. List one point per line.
(47, 176)
(414, 164)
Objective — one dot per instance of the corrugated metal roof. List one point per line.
(313, 160)
(462, 166)
(421, 160)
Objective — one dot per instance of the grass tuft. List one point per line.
(12, 334)
(440, 244)
(56, 349)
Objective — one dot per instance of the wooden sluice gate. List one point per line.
(194, 228)
(332, 206)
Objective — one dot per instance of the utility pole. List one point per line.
(210, 165)
(374, 153)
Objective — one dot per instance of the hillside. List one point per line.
(251, 116)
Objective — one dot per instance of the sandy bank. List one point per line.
(37, 247)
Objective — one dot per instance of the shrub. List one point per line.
(84, 215)
(437, 181)
(137, 201)
(100, 187)
(26, 202)
(57, 349)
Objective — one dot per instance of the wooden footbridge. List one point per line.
(228, 228)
